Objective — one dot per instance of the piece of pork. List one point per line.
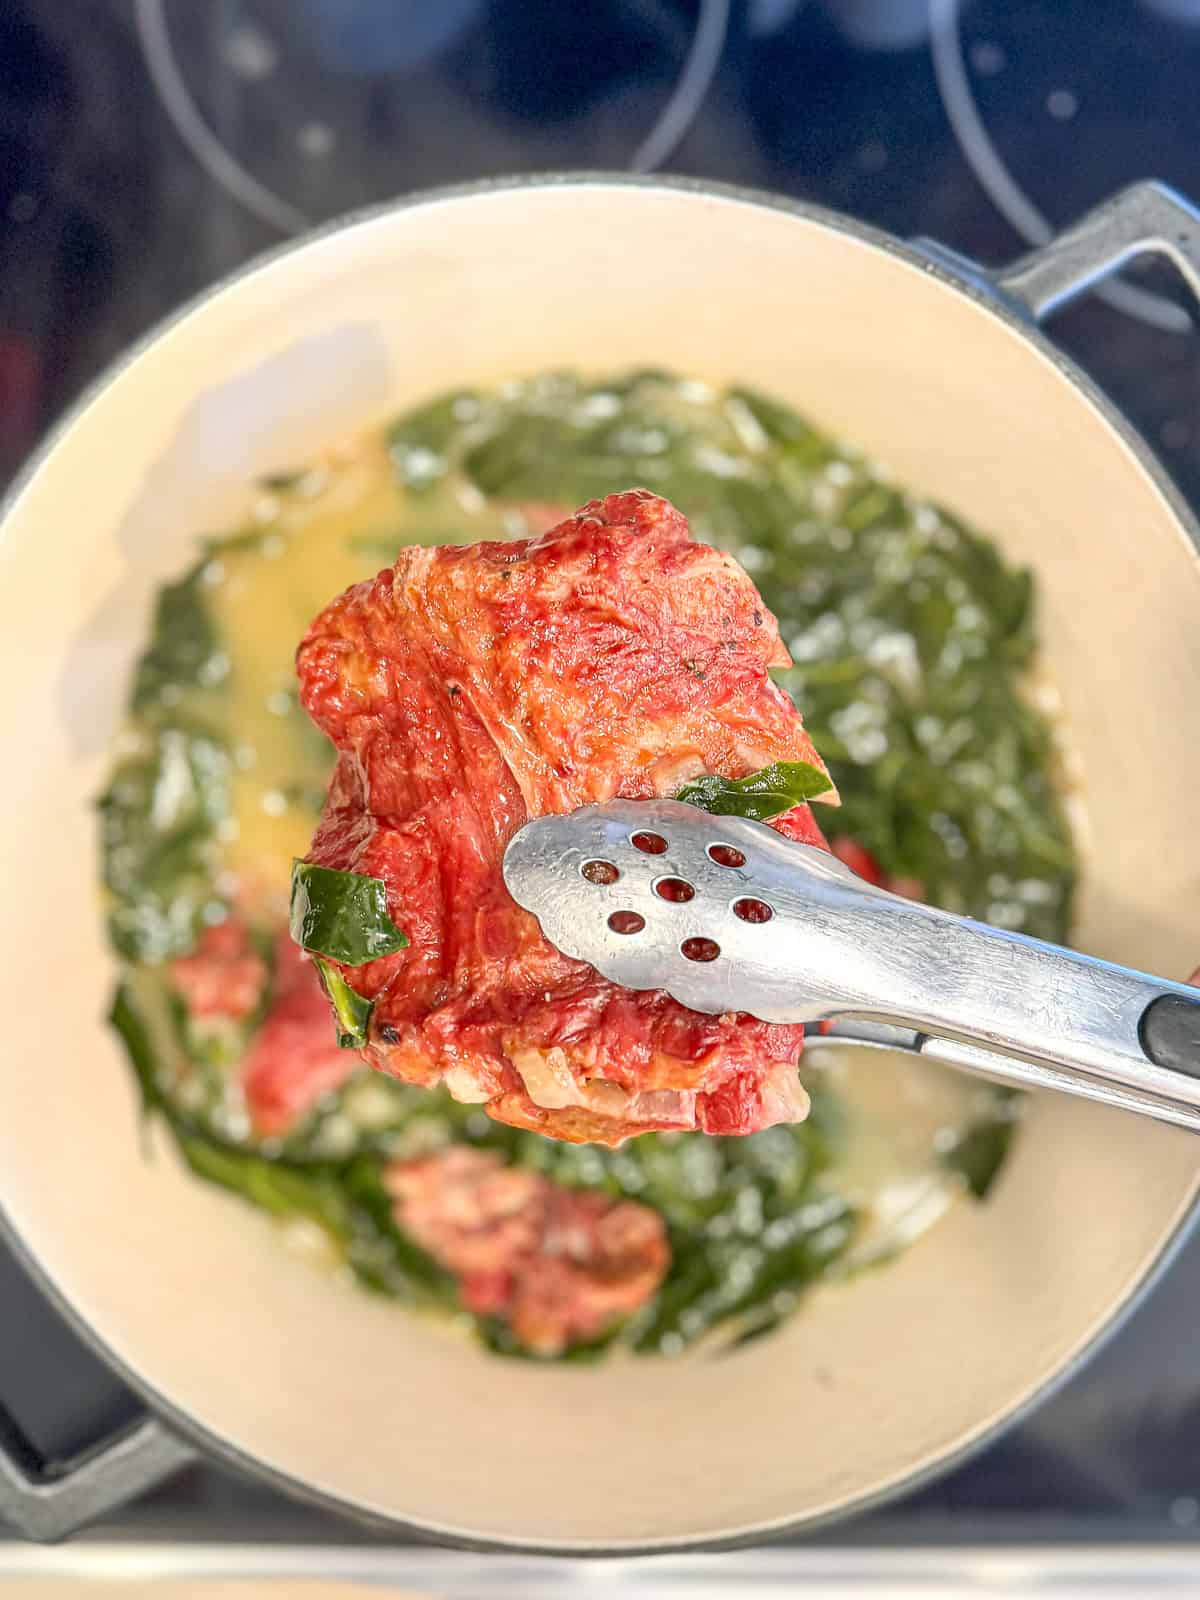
(470, 688)
(559, 1265)
(292, 1057)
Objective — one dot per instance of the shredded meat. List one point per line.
(558, 1265)
(224, 976)
(292, 1058)
(470, 688)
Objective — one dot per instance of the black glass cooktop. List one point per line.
(149, 146)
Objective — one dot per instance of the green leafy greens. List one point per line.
(980, 1150)
(157, 821)
(912, 638)
(184, 649)
(351, 1011)
(761, 796)
(342, 915)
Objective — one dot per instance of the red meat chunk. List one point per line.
(292, 1058)
(558, 1265)
(470, 688)
(223, 977)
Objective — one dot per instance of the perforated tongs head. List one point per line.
(728, 915)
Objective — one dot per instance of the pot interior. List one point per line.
(869, 1384)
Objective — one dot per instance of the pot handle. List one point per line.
(48, 1500)
(1146, 219)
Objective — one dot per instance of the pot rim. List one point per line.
(224, 1450)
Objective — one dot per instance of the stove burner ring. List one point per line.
(985, 161)
(695, 79)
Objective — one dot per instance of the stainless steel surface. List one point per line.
(1071, 1573)
(990, 168)
(1145, 219)
(836, 947)
(47, 1506)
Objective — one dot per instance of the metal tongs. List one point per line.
(727, 915)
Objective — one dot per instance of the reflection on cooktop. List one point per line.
(149, 146)
(362, 102)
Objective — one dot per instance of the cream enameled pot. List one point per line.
(243, 1350)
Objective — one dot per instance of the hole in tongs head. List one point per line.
(651, 844)
(726, 855)
(700, 949)
(601, 872)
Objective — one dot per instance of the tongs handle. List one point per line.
(1023, 1009)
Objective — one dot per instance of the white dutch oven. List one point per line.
(254, 1355)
